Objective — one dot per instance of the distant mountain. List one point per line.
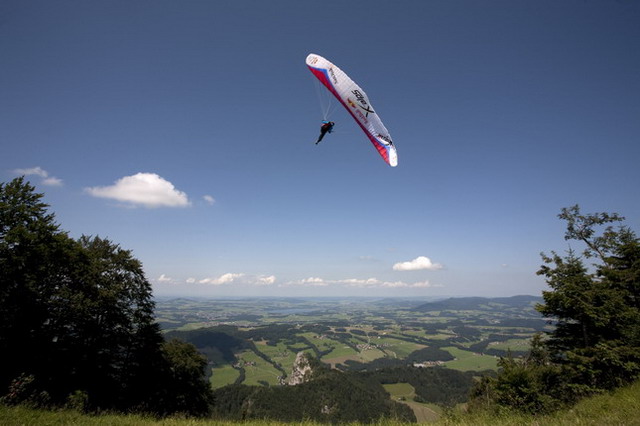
(480, 303)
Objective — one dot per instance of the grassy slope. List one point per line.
(620, 408)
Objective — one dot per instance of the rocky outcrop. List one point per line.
(301, 372)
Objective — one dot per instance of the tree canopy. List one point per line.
(77, 320)
(595, 308)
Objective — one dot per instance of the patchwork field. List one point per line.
(264, 335)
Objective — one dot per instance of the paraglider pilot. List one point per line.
(327, 127)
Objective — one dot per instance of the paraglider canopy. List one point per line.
(357, 103)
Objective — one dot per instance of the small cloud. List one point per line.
(52, 181)
(375, 283)
(239, 279)
(401, 284)
(33, 171)
(307, 282)
(313, 282)
(39, 171)
(145, 189)
(164, 279)
(209, 199)
(395, 284)
(223, 279)
(425, 284)
(356, 282)
(419, 263)
(266, 280)
(190, 280)
(367, 283)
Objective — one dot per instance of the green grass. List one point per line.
(512, 344)
(618, 408)
(404, 393)
(371, 354)
(279, 354)
(400, 348)
(340, 350)
(400, 390)
(223, 376)
(19, 416)
(469, 361)
(259, 371)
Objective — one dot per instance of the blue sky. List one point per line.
(184, 130)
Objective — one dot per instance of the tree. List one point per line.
(597, 309)
(530, 384)
(595, 345)
(34, 267)
(113, 308)
(76, 319)
(185, 388)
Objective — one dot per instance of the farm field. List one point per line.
(222, 376)
(405, 393)
(263, 336)
(470, 361)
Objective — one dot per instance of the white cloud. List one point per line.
(164, 279)
(368, 283)
(39, 171)
(209, 199)
(419, 263)
(266, 280)
(239, 278)
(222, 279)
(375, 283)
(424, 284)
(307, 282)
(146, 189)
(395, 284)
(355, 282)
(52, 181)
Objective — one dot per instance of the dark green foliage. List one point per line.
(330, 396)
(436, 385)
(597, 335)
(184, 388)
(429, 353)
(32, 258)
(529, 384)
(595, 345)
(76, 318)
(218, 344)
(22, 390)
(466, 334)
(37, 281)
